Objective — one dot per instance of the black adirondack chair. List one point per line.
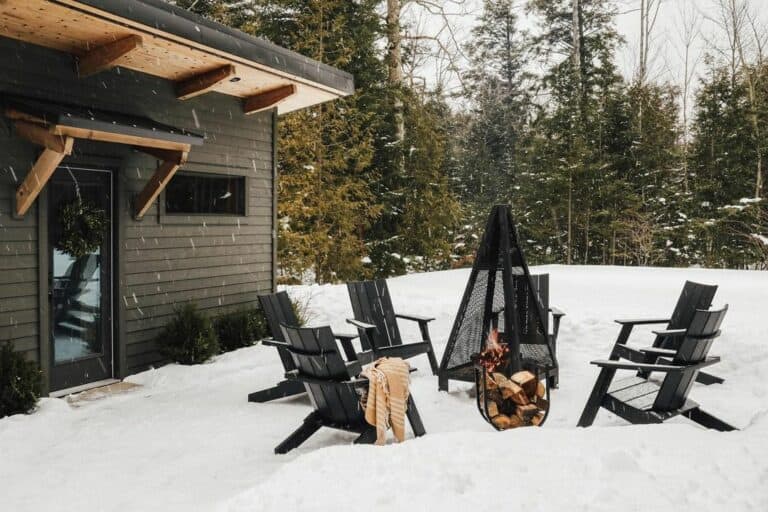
(332, 385)
(372, 305)
(540, 284)
(639, 400)
(693, 297)
(278, 310)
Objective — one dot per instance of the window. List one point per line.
(205, 194)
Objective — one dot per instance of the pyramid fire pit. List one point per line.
(499, 336)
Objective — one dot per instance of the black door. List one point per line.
(80, 283)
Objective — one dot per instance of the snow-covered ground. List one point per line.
(188, 440)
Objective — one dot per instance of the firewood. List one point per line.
(504, 422)
(512, 391)
(499, 379)
(526, 412)
(536, 420)
(493, 409)
(542, 404)
(527, 381)
(490, 383)
(541, 390)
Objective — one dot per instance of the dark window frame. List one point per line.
(173, 216)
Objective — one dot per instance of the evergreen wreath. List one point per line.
(83, 228)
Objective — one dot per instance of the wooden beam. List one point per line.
(39, 175)
(14, 114)
(167, 155)
(106, 56)
(268, 99)
(157, 183)
(204, 82)
(131, 140)
(40, 135)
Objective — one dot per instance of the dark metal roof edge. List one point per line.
(187, 25)
(52, 113)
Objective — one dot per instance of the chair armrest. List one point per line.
(659, 351)
(361, 325)
(666, 368)
(671, 332)
(346, 336)
(415, 318)
(271, 342)
(556, 312)
(643, 321)
(355, 382)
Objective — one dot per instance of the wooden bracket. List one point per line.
(106, 56)
(42, 136)
(268, 99)
(158, 181)
(39, 175)
(204, 82)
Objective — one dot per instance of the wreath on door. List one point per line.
(83, 226)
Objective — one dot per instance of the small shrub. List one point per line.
(302, 311)
(189, 338)
(19, 382)
(240, 329)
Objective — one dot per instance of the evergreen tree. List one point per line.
(576, 131)
(729, 221)
(325, 152)
(499, 93)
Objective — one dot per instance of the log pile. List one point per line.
(516, 401)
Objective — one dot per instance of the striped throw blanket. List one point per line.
(387, 399)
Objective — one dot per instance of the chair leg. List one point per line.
(708, 379)
(554, 378)
(599, 391)
(424, 328)
(310, 425)
(367, 437)
(707, 420)
(281, 390)
(442, 382)
(414, 418)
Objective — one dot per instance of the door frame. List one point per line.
(44, 324)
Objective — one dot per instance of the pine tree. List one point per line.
(499, 94)
(575, 132)
(325, 152)
(722, 160)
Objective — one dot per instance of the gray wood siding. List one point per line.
(221, 263)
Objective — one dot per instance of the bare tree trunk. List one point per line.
(395, 65)
(570, 216)
(576, 30)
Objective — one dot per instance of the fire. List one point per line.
(495, 351)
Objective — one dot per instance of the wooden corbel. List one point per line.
(55, 148)
(170, 161)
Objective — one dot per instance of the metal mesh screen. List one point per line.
(518, 313)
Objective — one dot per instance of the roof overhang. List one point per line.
(159, 39)
(55, 128)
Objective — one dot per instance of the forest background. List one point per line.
(646, 147)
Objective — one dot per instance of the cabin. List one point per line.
(137, 172)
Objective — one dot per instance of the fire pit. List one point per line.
(499, 339)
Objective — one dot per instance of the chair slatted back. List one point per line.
(694, 296)
(278, 310)
(372, 304)
(541, 291)
(316, 354)
(694, 347)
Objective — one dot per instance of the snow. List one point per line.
(188, 440)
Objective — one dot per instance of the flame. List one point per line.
(493, 340)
